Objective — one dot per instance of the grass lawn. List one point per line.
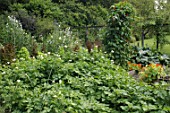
(151, 44)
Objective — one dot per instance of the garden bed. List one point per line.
(135, 74)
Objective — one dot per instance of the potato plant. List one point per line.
(75, 82)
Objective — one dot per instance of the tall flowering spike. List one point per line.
(15, 22)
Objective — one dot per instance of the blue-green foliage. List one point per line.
(146, 56)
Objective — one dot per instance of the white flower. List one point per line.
(60, 81)
(8, 62)
(14, 60)
(16, 67)
(112, 61)
(18, 81)
(92, 58)
(48, 53)
(41, 57)
(22, 59)
(102, 57)
(112, 51)
(65, 46)
(59, 38)
(70, 60)
(115, 17)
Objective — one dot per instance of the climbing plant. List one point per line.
(118, 34)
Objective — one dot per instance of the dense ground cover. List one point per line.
(75, 82)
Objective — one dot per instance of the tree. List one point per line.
(162, 20)
(151, 16)
(103, 3)
(145, 17)
(5, 4)
(66, 13)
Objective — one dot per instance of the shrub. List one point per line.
(75, 82)
(61, 38)
(151, 73)
(44, 26)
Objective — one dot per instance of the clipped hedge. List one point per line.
(75, 82)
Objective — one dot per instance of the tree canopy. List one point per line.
(150, 14)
